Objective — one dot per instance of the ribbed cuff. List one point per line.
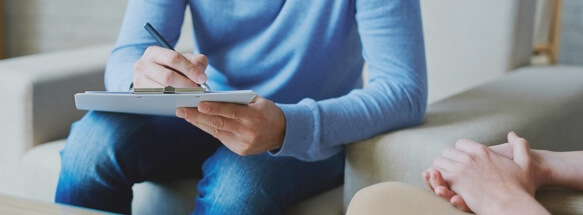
(299, 131)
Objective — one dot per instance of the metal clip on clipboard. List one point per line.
(170, 90)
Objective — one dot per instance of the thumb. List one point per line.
(521, 150)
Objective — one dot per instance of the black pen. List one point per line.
(165, 44)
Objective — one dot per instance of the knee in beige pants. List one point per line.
(398, 198)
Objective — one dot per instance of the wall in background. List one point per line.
(571, 47)
(36, 26)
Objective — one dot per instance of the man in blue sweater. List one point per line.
(303, 58)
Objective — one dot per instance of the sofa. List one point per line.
(480, 86)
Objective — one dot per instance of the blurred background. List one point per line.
(52, 49)
(38, 26)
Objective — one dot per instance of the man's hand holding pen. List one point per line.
(161, 67)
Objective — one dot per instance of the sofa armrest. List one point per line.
(36, 93)
(542, 104)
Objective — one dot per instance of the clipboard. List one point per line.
(155, 103)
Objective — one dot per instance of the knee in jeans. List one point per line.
(237, 194)
(97, 138)
(231, 185)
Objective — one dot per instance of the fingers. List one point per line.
(429, 177)
(226, 137)
(200, 63)
(171, 68)
(458, 202)
(426, 177)
(470, 146)
(145, 82)
(521, 150)
(149, 74)
(445, 164)
(436, 179)
(217, 133)
(224, 129)
(193, 116)
(455, 155)
(176, 61)
(228, 110)
(255, 99)
(504, 150)
(436, 182)
(444, 192)
(232, 140)
(513, 137)
(168, 77)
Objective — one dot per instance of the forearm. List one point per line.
(396, 96)
(516, 204)
(119, 69)
(316, 130)
(564, 168)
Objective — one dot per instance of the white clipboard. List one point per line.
(155, 104)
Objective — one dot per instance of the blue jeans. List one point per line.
(107, 153)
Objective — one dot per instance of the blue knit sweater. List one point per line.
(305, 55)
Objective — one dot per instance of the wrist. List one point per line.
(563, 169)
(550, 168)
(544, 174)
(504, 204)
(518, 202)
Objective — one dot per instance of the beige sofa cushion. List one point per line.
(398, 198)
(402, 198)
(40, 171)
(561, 201)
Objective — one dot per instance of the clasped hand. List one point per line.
(472, 176)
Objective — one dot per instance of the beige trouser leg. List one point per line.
(398, 198)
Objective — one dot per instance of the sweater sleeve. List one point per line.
(395, 97)
(133, 39)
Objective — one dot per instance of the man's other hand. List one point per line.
(245, 129)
